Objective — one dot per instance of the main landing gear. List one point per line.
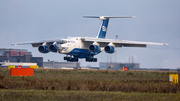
(91, 59)
(75, 59)
(71, 59)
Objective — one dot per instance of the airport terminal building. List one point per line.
(19, 55)
(22, 56)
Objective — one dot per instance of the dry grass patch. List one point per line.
(91, 80)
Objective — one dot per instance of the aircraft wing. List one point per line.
(120, 43)
(37, 43)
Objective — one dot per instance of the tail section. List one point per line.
(104, 23)
(103, 29)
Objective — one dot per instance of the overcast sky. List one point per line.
(156, 21)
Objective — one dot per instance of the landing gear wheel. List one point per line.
(65, 58)
(95, 60)
(75, 59)
(69, 59)
(91, 59)
(87, 59)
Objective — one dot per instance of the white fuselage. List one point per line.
(72, 43)
(76, 47)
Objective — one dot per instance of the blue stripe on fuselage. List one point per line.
(82, 53)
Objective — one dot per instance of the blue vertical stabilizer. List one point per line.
(103, 29)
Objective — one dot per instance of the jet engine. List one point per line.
(56, 48)
(43, 49)
(109, 49)
(53, 48)
(94, 48)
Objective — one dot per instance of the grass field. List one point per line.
(89, 85)
(49, 95)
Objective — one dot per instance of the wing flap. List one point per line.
(36, 44)
(133, 45)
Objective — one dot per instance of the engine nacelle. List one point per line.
(43, 49)
(109, 49)
(94, 48)
(53, 48)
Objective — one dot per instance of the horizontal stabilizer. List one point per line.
(104, 24)
(107, 17)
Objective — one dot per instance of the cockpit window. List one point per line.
(62, 42)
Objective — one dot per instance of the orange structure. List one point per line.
(22, 71)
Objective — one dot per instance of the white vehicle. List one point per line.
(86, 47)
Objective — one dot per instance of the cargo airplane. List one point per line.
(76, 48)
